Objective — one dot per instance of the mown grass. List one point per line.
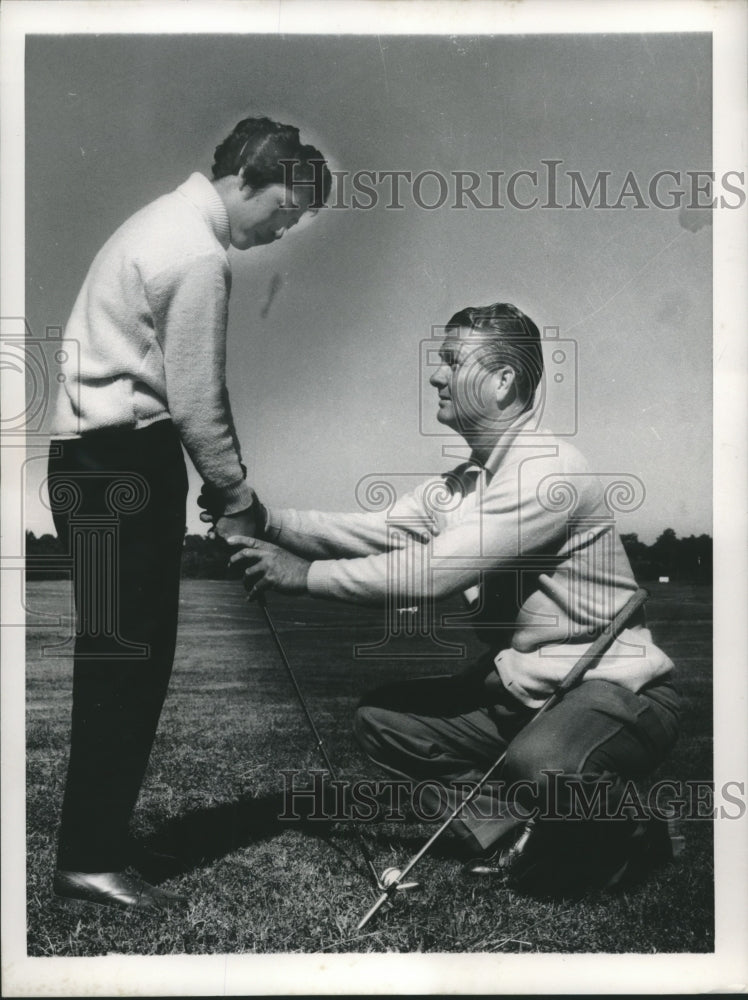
(212, 798)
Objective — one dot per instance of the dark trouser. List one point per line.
(118, 500)
(449, 730)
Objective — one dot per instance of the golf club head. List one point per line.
(391, 875)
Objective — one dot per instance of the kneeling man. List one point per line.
(522, 530)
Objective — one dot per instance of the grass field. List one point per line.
(214, 792)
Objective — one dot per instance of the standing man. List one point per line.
(150, 323)
(521, 530)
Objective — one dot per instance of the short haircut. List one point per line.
(507, 337)
(265, 152)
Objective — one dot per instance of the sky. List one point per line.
(329, 328)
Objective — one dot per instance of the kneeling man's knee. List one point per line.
(535, 766)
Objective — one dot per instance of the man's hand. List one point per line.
(269, 567)
(211, 503)
(250, 521)
(244, 522)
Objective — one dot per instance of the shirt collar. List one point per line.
(508, 437)
(198, 190)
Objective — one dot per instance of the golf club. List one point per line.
(576, 673)
(387, 877)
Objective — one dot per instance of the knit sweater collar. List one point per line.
(198, 190)
(509, 436)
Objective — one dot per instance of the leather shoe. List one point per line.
(120, 889)
(502, 861)
(554, 867)
(655, 842)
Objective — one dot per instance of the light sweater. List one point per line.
(528, 539)
(150, 326)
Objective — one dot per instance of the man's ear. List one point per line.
(244, 187)
(506, 388)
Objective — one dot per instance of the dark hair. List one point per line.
(265, 152)
(508, 337)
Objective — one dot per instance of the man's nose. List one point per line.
(437, 377)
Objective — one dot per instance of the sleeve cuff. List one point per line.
(318, 582)
(237, 498)
(273, 524)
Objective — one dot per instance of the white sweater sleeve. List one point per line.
(322, 535)
(495, 533)
(189, 304)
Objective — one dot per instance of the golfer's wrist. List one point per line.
(256, 512)
(234, 499)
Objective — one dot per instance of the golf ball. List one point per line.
(390, 875)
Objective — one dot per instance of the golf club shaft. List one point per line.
(582, 665)
(320, 743)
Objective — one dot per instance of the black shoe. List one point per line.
(558, 863)
(120, 889)
(503, 860)
(654, 843)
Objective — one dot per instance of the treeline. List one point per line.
(685, 560)
(203, 558)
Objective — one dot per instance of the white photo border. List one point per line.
(724, 970)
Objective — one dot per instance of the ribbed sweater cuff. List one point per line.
(237, 497)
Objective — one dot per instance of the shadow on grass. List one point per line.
(447, 848)
(198, 837)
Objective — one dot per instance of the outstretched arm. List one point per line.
(320, 535)
(492, 534)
